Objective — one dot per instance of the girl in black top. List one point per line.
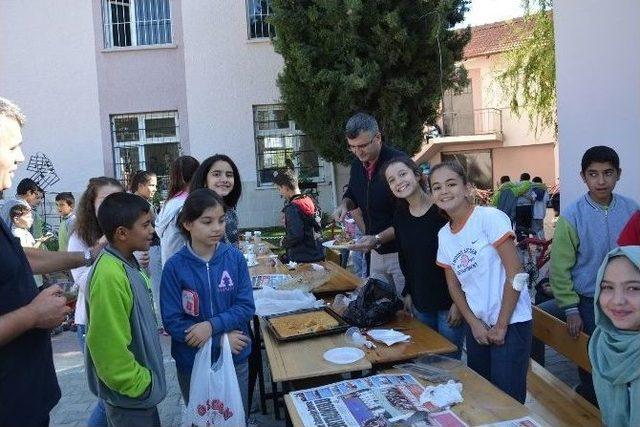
(416, 222)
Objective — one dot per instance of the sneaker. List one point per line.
(252, 422)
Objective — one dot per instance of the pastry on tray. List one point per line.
(303, 323)
(306, 280)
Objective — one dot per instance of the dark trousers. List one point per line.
(125, 417)
(587, 313)
(524, 215)
(505, 366)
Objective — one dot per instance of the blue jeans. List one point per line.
(437, 320)
(504, 365)
(98, 417)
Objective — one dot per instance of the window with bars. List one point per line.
(136, 22)
(257, 13)
(148, 141)
(280, 144)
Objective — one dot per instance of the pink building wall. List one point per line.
(521, 148)
(141, 79)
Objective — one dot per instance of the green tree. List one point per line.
(391, 58)
(529, 79)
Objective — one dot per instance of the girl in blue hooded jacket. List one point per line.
(206, 291)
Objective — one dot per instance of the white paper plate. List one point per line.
(330, 244)
(343, 355)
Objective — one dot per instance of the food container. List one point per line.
(339, 328)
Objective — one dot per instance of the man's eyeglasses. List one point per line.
(354, 148)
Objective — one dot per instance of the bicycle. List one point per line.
(535, 256)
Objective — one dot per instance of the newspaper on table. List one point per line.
(375, 401)
(270, 280)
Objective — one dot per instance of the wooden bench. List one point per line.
(548, 396)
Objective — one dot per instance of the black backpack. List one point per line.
(376, 304)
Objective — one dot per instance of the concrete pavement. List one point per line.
(77, 401)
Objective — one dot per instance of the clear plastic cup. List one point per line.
(354, 337)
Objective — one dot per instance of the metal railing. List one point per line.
(477, 122)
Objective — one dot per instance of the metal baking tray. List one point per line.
(341, 327)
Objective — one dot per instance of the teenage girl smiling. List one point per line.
(476, 249)
(425, 293)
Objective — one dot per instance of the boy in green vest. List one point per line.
(124, 357)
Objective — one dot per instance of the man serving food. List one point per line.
(367, 190)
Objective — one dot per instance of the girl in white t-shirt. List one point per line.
(477, 251)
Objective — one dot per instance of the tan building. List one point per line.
(477, 126)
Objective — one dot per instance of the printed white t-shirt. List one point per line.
(471, 253)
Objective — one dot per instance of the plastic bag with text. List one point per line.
(214, 394)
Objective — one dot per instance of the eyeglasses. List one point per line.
(361, 146)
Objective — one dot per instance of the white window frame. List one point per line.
(142, 138)
(291, 131)
(270, 28)
(107, 24)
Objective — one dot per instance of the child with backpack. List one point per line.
(303, 238)
(206, 291)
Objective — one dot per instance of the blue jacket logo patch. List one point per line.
(226, 284)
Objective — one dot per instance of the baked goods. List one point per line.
(303, 323)
(344, 239)
(306, 281)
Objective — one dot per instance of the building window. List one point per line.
(136, 22)
(280, 144)
(258, 12)
(148, 141)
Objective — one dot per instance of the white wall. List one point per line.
(226, 75)
(489, 94)
(47, 66)
(598, 84)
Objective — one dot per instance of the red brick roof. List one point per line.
(496, 37)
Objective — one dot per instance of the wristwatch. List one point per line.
(378, 241)
(88, 259)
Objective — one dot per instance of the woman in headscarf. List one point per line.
(614, 348)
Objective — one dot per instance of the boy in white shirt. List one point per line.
(21, 221)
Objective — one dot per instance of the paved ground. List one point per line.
(77, 401)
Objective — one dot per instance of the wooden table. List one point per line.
(341, 280)
(303, 359)
(424, 340)
(483, 402)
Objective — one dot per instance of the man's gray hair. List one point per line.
(10, 110)
(360, 122)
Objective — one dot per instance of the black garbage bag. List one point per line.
(376, 304)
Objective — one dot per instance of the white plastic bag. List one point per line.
(214, 394)
(270, 301)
